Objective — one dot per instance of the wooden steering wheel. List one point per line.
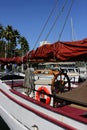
(60, 83)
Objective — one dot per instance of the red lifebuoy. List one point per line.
(38, 94)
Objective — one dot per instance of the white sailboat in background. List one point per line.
(81, 65)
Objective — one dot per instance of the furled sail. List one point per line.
(58, 51)
(61, 51)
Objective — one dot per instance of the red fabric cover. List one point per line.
(59, 51)
(17, 60)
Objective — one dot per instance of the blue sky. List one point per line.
(29, 17)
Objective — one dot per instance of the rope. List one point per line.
(65, 20)
(56, 19)
(46, 23)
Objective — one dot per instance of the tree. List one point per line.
(10, 39)
(2, 42)
(24, 45)
(1, 30)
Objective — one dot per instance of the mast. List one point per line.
(73, 31)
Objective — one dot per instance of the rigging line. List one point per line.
(65, 20)
(46, 22)
(56, 19)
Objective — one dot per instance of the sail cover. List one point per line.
(61, 51)
(58, 51)
(17, 60)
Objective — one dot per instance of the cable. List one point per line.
(46, 23)
(65, 20)
(56, 19)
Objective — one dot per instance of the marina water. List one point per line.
(3, 125)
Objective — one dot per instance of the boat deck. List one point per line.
(73, 111)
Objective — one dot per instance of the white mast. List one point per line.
(73, 31)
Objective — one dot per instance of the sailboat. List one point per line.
(49, 103)
(26, 108)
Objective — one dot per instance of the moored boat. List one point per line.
(51, 101)
(23, 111)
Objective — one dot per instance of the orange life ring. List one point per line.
(38, 94)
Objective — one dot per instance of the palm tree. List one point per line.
(1, 29)
(24, 45)
(11, 36)
(9, 39)
(7, 33)
(14, 41)
(2, 42)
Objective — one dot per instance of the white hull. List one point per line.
(21, 112)
(10, 120)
